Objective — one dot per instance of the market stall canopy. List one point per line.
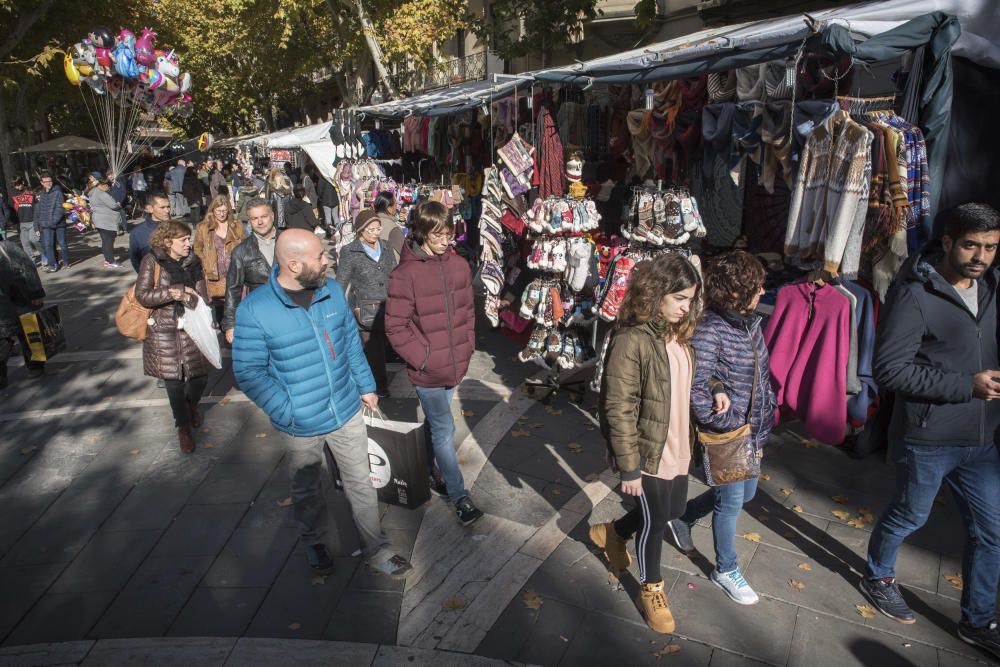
(451, 100)
(230, 142)
(313, 139)
(63, 145)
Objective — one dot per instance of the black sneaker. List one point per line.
(438, 487)
(467, 513)
(987, 638)
(885, 595)
(682, 535)
(319, 559)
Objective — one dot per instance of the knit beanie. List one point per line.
(364, 218)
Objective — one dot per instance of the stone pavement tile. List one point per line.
(22, 586)
(518, 497)
(391, 656)
(252, 557)
(22, 512)
(704, 614)
(722, 658)
(218, 612)
(781, 527)
(268, 509)
(232, 483)
(151, 600)
(158, 497)
(949, 659)
(61, 617)
(161, 651)
(365, 616)
(534, 636)
(299, 605)
(43, 655)
(821, 640)
(107, 562)
(306, 653)
(247, 448)
(831, 590)
(396, 517)
(604, 640)
(703, 562)
(200, 530)
(915, 567)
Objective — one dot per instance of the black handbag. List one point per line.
(370, 314)
(731, 457)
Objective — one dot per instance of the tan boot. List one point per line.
(653, 605)
(604, 536)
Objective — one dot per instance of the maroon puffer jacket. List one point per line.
(430, 316)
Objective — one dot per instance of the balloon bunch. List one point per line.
(79, 210)
(130, 70)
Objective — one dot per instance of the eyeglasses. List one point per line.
(441, 236)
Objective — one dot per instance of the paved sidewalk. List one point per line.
(110, 532)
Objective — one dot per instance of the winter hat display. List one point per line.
(574, 168)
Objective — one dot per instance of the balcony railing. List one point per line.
(445, 73)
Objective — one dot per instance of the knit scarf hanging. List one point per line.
(642, 141)
(750, 83)
(774, 134)
(549, 157)
(721, 86)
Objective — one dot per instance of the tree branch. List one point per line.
(24, 24)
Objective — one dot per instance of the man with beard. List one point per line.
(298, 356)
(936, 349)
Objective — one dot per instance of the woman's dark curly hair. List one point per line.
(732, 280)
(651, 281)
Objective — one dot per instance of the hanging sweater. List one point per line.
(808, 338)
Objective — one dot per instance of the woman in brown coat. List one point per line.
(170, 281)
(214, 241)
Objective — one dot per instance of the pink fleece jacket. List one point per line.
(808, 338)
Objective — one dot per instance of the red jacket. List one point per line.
(430, 316)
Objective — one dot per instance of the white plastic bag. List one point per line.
(197, 322)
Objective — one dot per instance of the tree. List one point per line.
(544, 26)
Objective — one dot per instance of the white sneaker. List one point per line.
(735, 586)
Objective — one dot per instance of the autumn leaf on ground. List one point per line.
(668, 649)
(468, 413)
(522, 419)
(857, 523)
(764, 477)
(865, 611)
(751, 537)
(575, 447)
(519, 433)
(92, 439)
(536, 425)
(287, 502)
(805, 566)
(840, 500)
(843, 516)
(591, 428)
(788, 492)
(27, 450)
(592, 477)
(318, 580)
(796, 585)
(224, 401)
(553, 411)
(798, 509)
(135, 452)
(454, 603)
(532, 600)
(208, 445)
(261, 435)
(295, 626)
(955, 580)
(556, 492)
(810, 443)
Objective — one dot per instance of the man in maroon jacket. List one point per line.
(430, 322)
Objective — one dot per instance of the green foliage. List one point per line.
(546, 25)
(412, 29)
(645, 13)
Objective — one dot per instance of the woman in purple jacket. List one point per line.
(430, 322)
(726, 343)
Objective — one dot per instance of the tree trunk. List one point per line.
(373, 48)
(6, 146)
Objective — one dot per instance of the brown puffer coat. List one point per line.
(167, 353)
(634, 406)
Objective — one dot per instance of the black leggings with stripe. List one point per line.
(661, 501)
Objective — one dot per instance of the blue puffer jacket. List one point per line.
(724, 349)
(305, 368)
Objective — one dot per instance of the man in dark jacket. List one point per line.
(936, 349)
(51, 218)
(251, 261)
(157, 211)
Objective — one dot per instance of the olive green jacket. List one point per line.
(635, 399)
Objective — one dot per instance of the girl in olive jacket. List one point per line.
(645, 409)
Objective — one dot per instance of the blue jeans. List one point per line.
(439, 434)
(50, 235)
(725, 501)
(973, 473)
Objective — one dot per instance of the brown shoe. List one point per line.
(186, 438)
(195, 415)
(605, 537)
(653, 605)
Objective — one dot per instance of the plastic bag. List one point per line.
(197, 322)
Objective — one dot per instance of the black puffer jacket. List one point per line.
(928, 348)
(247, 268)
(19, 286)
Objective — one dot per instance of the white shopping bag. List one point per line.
(197, 322)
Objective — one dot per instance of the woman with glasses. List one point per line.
(430, 322)
(363, 271)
